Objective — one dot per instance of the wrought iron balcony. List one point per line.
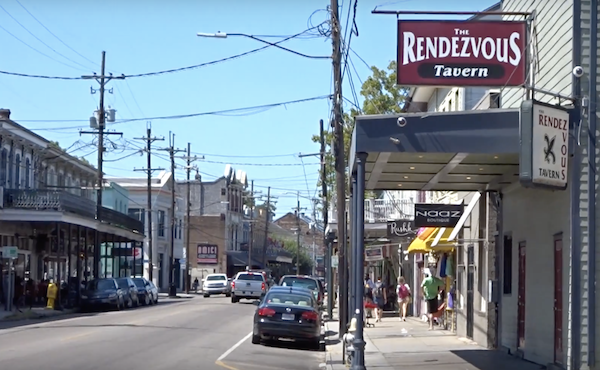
(62, 201)
(380, 210)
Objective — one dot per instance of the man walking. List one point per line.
(431, 287)
(379, 298)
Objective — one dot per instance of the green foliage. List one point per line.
(56, 145)
(381, 96)
(306, 263)
(85, 161)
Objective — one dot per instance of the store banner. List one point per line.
(373, 253)
(208, 254)
(438, 215)
(401, 228)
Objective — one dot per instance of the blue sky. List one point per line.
(70, 36)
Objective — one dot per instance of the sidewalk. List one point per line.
(34, 313)
(179, 295)
(395, 345)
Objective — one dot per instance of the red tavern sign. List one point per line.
(461, 53)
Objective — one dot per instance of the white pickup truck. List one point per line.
(248, 285)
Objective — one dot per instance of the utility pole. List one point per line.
(264, 251)
(172, 151)
(326, 238)
(298, 235)
(340, 165)
(251, 243)
(149, 139)
(188, 206)
(102, 80)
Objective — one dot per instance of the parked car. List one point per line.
(102, 293)
(144, 291)
(153, 290)
(305, 282)
(130, 291)
(306, 292)
(216, 284)
(248, 285)
(289, 314)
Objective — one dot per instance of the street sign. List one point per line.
(334, 261)
(10, 252)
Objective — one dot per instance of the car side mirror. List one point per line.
(256, 303)
(132, 286)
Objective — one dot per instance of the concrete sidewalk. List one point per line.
(409, 345)
(33, 313)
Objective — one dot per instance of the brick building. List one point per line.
(207, 247)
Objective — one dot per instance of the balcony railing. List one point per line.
(381, 210)
(62, 201)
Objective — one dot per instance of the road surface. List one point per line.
(185, 334)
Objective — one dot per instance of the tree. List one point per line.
(306, 263)
(56, 145)
(381, 96)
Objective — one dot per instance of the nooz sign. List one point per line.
(544, 157)
(437, 215)
(461, 53)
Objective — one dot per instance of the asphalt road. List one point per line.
(190, 334)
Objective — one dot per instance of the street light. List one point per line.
(224, 35)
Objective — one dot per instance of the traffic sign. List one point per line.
(10, 252)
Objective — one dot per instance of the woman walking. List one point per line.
(404, 295)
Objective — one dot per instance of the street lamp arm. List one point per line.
(223, 35)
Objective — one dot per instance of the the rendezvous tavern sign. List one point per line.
(544, 159)
(461, 53)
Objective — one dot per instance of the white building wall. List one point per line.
(534, 217)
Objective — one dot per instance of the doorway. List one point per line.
(558, 299)
(470, 290)
(521, 297)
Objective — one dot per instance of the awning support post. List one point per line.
(352, 255)
(358, 361)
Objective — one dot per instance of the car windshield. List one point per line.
(216, 278)
(100, 285)
(251, 277)
(288, 299)
(300, 283)
(140, 283)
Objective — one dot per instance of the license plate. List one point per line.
(287, 316)
(247, 284)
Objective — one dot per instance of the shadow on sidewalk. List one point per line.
(483, 359)
(27, 318)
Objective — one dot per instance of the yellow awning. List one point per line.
(426, 236)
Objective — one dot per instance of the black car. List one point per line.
(287, 313)
(100, 293)
(298, 290)
(130, 291)
(144, 291)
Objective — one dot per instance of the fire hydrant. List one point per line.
(51, 294)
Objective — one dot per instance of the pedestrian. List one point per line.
(431, 286)
(404, 296)
(369, 286)
(380, 299)
(195, 285)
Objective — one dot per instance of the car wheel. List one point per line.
(316, 344)
(146, 300)
(130, 303)
(227, 295)
(234, 299)
(255, 339)
(206, 295)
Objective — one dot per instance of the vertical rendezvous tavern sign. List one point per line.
(544, 157)
(461, 53)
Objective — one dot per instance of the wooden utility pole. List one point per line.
(251, 242)
(298, 234)
(340, 165)
(264, 251)
(172, 151)
(102, 80)
(149, 140)
(188, 206)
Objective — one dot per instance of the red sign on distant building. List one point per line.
(462, 53)
(208, 254)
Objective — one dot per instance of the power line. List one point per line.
(56, 37)
(264, 164)
(37, 38)
(182, 116)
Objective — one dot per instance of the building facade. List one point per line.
(161, 259)
(49, 210)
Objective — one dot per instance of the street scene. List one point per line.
(327, 184)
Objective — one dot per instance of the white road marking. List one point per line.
(235, 346)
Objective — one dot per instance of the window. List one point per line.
(223, 192)
(137, 213)
(161, 223)
(3, 165)
(507, 261)
(27, 173)
(175, 229)
(51, 174)
(17, 171)
(180, 228)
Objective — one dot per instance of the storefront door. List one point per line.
(558, 299)
(470, 290)
(521, 300)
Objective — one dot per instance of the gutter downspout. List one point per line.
(575, 186)
(592, 183)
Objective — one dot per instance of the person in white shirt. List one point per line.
(404, 294)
